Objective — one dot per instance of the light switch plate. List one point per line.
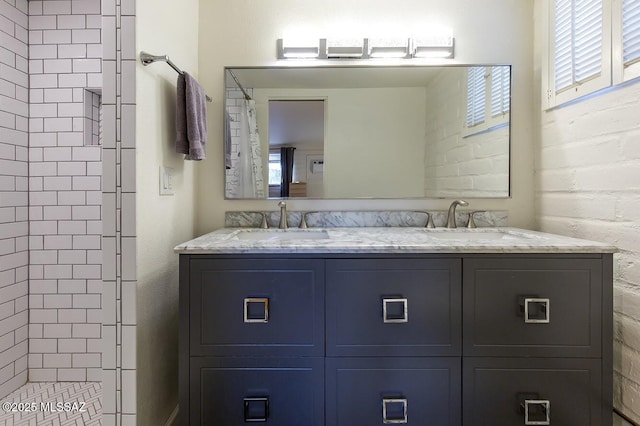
(166, 180)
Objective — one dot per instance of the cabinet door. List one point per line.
(248, 307)
(532, 307)
(379, 391)
(393, 307)
(535, 391)
(267, 391)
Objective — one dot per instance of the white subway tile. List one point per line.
(72, 345)
(44, 257)
(72, 51)
(72, 286)
(71, 198)
(70, 139)
(86, 213)
(35, 360)
(128, 32)
(56, 360)
(128, 81)
(43, 110)
(59, 302)
(43, 374)
(56, 37)
(58, 124)
(56, 7)
(94, 21)
(87, 66)
(35, 37)
(86, 360)
(86, 183)
(85, 36)
(43, 286)
(86, 242)
(41, 140)
(43, 51)
(129, 346)
(42, 22)
(94, 80)
(94, 51)
(70, 109)
(57, 331)
(86, 271)
(35, 7)
(72, 315)
(58, 271)
(71, 22)
(57, 183)
(43, 316)
(129, 392)
(58, 95)
(41, 169)
(72, 80)
(86, 7)
(72, 227)
(58, 242)
(92, 153)
(91, 331)
(72, 374)
(36, 212)
(57, 153)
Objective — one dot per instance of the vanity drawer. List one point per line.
(412, 391)
(501, 391)
(393, 307)
(268, 391)
(251, 307)
(532, 307)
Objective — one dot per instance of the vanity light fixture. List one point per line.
(433, 47)
(351, 48)
(389, 48)
(366, 48)
(299, 49)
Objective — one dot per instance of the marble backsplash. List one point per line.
(342, 219)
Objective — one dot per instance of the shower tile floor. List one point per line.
(65, 392)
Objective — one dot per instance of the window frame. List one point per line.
(621, 72)
(550, 97)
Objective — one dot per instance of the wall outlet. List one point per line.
(166, 181)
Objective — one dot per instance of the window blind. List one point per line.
(578, 42)
(476, 96)
(630, 31)
(500, 84)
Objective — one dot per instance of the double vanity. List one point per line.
(395, 325)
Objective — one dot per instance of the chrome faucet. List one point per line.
(283, 215)
(451, 217)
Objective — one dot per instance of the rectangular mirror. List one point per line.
(367, 132)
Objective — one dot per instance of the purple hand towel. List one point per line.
(191, 118)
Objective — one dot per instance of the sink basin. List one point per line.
(281, 235)
(469, 235)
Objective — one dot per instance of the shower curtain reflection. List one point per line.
(251, 179)
(286, 167)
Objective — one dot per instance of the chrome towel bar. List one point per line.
(147, 58)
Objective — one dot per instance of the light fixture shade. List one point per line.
(298, 49)
(389, 48)
(349, 48)
(433, 47)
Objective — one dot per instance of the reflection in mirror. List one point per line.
(367, 132)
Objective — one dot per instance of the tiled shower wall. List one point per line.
(14, 228)
(118, 213)
(65, 194)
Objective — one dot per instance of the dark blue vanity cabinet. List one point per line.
(415, 339)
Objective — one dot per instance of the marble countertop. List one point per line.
(387, 240)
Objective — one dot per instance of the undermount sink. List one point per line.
(468, 235)
(281, 235)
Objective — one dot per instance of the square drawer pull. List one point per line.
(536, 310)
(536, 412)
(394, 411)
(256, 310)
(256, 409)
(395, 310)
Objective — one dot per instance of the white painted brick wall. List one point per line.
(65, 198)
(588, 186)
(477, 164)
(13, 194)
